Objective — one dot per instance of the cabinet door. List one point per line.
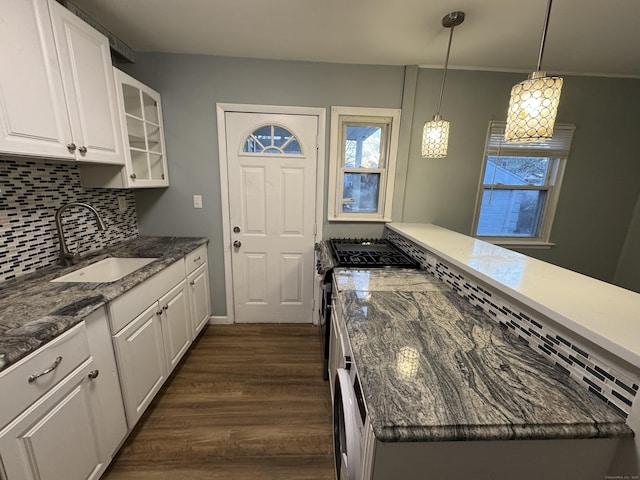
(57, 438)
(33, 113)
(141, 362)
(199, 298)
(87, 77)
(141, 117)
(113, 427)
(176, 324)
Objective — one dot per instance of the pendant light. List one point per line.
(534, 102)
(435, 134)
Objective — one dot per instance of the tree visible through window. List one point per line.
(520, 186)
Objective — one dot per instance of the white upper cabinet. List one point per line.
(85, 63)
(57, 94)
(140, 110)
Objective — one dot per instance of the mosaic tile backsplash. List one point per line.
(613, 386)
(30, 194)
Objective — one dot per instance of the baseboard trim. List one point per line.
(219, 320)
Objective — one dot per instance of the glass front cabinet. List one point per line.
(140, 112)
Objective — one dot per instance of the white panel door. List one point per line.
(271, 165)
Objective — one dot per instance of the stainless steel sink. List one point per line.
(107, 270)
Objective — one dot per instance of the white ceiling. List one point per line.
(585, 36)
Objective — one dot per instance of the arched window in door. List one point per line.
(272, 139)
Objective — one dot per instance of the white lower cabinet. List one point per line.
(57, 438)
(64, 418)
(176, 324)
(150, 347)
(153, 326)
(141, 362)
(62, 408)
(199, 298)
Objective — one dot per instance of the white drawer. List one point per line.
(196, 258)
(18, 393)
(129, 305)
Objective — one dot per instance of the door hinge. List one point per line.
(315, 228)
(317, 143)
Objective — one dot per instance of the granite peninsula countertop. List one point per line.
(34, 311)
(434, 368)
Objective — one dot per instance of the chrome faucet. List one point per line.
(68, 258)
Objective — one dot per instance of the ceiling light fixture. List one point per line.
(534, 102)
(435, 134)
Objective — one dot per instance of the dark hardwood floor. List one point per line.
(247, 402)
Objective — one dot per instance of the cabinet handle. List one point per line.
(158, 312)
(82, 150)
(93, 374)
(71, 147)
(192, 282)
(196, 259)
(165, 307)
(48, 370)
(133, 175)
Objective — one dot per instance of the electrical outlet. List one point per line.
(122, 204)
(197, 201)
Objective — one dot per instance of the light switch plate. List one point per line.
(197, 201)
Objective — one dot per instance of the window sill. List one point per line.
(360, 219)
(533, 244)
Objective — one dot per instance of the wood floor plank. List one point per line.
(247, 402)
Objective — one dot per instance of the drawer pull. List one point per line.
(196, 259)
(48, 370)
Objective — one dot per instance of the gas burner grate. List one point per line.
(363, 252)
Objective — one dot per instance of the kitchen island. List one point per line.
(437, 372)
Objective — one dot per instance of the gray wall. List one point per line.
(191, 85)
(628, 271)
(602, 179)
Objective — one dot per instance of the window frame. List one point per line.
(340, 117)
(558, 149)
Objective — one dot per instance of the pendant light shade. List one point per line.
(435, 138)
(435, 133)
(534, 103)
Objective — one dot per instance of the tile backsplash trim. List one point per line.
(606, 381)
(30, 193)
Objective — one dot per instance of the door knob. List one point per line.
(237, 244)
(236, 229)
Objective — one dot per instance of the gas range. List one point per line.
(350, 252)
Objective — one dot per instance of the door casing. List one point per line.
(221, 110)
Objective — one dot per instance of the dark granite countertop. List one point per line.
(434, 368)
(34, 311)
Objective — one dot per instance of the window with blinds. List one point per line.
(519, 187)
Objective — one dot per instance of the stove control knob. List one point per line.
(237, 244)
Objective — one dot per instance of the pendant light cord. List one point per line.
(446, 63)
(544, 34)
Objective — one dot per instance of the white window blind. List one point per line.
(556, 147)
